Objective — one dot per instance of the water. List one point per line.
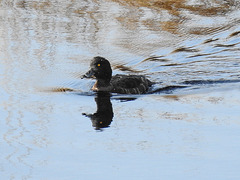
(182, 133)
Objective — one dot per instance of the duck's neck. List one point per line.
(103, 82)
(102, 85)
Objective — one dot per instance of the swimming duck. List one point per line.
(100, 68)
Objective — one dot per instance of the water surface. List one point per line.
(181, 133)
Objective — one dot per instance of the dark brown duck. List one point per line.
(100, 68)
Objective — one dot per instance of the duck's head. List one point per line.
(100, 68)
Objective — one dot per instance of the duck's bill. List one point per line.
(89, 74)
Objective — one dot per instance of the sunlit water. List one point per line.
(182, 133)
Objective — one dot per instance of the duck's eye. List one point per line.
(98, 65)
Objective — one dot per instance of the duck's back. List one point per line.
(130, 84)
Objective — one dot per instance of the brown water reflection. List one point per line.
(145, 25)
(182, 10)
(175, 7)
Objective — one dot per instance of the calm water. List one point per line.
(182, 133)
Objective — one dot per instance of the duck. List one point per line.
(100, 68)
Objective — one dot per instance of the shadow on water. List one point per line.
(102, 118)
(104, 115)
(203, 82)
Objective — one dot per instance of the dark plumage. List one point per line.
(100, 68)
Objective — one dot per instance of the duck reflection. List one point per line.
(104, 115)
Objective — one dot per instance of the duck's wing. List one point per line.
(130, 84)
